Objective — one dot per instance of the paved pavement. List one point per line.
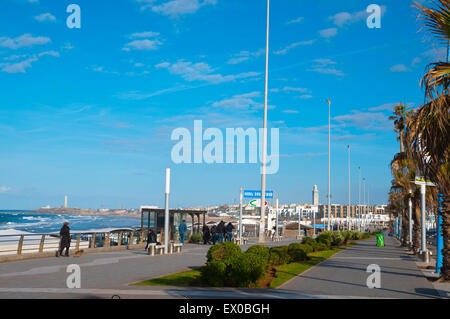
(104, 275)
(345, 274)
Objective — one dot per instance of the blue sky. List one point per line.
(89, 111)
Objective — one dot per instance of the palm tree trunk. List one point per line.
(446, 237)
(405, 234)
(417, 231)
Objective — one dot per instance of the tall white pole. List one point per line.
(410, 228)
(240, 216)
(276, 228)
(329, 162)
(349, 202)
(359, 198)
(364, 202)
(423, 212)
(264, 146)
(166, 213)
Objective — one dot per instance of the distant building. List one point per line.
(315, 196)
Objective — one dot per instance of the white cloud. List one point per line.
(298, 20)
(389, 106)
(290, 89)
(145, 34)
(242, 101)
(142, 45)
(365, 120)
(328, 33)
(294, 45)
(45, 17)
(345, 18)
(326, 66)
(399, 68)
(5, 189)
(245, 56)
(176, 8)
(202, 72)
(26, 40)
(290, 111)
(25, 63)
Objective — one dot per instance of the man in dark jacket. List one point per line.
(221, 231)
(206, 234)
(229, 230)
(151, 238)
(65, 239)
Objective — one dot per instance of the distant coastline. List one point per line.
(77, 211)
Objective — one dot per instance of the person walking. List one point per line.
(206, 234)
(229, 231)
(151, 238)
(221, 231)
(214, 234)
(182, 230)
(65, 239)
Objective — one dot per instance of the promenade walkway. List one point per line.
(104, 275)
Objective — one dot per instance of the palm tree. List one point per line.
(430, 124)
(401, 171)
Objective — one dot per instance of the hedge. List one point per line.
(279, 256)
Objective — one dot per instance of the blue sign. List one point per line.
(257, 194)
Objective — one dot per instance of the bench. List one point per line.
(177, 248)
(237, 241)
(154, 249)
(277, 238)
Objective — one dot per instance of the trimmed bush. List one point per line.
(279, 256)
(324, 238)
(220, 260)
(299, 252)
(225, 252)
(322, 247)
(337, 238)
(310, 241)
(259, 250)
(196, 239)
(247, 269)
(214, 273)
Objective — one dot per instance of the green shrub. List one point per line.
(220, 260)
(279, 255)
(322, 247)
(225, 252)
(324, 238)
(259, 250)
(337, 238)
(214, 273)
(195, 239)
(310, 241)
(347, 235)
(299, 252)
(247, 269)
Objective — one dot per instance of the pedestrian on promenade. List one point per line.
(221, 231)
(214, 234)
(151, 238)
(182, 229)
(206, 235)
(229, 230)
(65, 239)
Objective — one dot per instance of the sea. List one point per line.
(17, 221)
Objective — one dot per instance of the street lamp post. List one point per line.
(349, 203)
(264, 144)
(166, 212)
(329, 162)
(359, 198)
(364, 200)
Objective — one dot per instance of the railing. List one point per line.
(50, 242)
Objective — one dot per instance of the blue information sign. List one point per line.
(257, 194)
